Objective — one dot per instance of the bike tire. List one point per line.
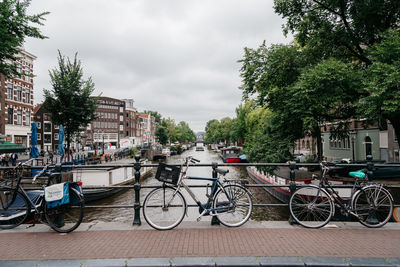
(14, 208)
(237, 212)
(373, 206)
(66, 218)
(311, 207)
(157, 214)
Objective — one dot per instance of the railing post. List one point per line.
(136, 187)
(371, 219)
(214, 219)
(292, 187)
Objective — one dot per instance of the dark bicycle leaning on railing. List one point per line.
(165, 207)
(60, 205)
(313, 206)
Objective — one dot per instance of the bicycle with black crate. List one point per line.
(165, 207)
(59, 206)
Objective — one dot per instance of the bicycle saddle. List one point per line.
(358, 174)
(221, 171)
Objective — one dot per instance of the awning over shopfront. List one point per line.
(8, 147)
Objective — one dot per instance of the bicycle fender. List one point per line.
(359, 191)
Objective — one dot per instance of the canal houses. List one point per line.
(363, 139)
(16, 101)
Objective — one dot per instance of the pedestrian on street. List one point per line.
(14, 158)
(6, 159)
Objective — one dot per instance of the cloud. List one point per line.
(176, 57)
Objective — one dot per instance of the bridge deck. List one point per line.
(267, 239)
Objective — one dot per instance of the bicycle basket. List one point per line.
(168, 173)
(10, 178)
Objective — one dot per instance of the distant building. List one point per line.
(362, 140)
(47, 132)
(109, 128)
(16, 101)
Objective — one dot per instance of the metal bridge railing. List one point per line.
(137, 165)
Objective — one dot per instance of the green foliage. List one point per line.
(157, 116)
(69, 101)
(15, 25)
(132, 151)
(341, 29)
(382, 82)
(161, 134)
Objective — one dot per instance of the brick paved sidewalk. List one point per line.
(202, 242)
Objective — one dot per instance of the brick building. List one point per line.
(47, 133)
(109, 127)
(16, 101)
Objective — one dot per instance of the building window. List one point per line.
(27, 95)
(39, 125)
(19, 117)
(28, 118)
(368, 146)
(39, 136)
(47, 138)
(47, 127)
(19, 93)
(10, 91)
(46, 117)
(10, 116)
(55, 136)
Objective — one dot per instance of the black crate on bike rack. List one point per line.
(168, 173)
(10, 178)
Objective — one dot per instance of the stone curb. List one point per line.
(209, 261)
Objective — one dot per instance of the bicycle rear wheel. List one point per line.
(311, 207)
(373, 205)
(233, 205)
(14, 208)
(66, 218)
(164, 208)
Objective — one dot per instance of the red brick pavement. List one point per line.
(201, 243)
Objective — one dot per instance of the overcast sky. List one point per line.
(175, 57)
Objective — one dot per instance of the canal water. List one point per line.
(207, 156)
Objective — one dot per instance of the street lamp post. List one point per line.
(353, 138)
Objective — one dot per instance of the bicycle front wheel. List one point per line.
(66, 218)
(164, 208)
(233, 205)
(311, 207)
(14, 208)
(373, 206)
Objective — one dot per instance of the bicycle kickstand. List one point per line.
(201, 215)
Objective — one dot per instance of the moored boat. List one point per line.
(230, 154)
(94, 181)
(282, 192)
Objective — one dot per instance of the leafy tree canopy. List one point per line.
(15, 26)
(69, 101)
(339, 28)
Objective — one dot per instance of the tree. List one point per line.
(324, 93)
(362, 33)
(157, 116)
(15, 26)
(161, 134)
(339, 28)
(382, 82)
(69, 101)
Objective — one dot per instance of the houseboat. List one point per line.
(282, 192)
(96, 182)
(231, 154)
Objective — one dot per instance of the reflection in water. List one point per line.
(127, 197)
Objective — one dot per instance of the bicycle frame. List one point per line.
(216, 184)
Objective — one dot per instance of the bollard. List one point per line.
(292, 187)
(136, 187)
(214, 219)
